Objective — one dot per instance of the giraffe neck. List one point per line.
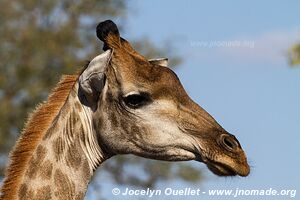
(63, 162)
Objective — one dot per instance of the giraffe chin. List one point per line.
(222, 169)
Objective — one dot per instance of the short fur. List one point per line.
(35, 128)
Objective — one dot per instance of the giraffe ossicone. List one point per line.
(121, 103)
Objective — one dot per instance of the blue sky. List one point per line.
(249, 89)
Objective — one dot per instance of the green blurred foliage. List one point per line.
(294, 55)
(40, 41)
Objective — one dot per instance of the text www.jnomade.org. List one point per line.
(199, 192)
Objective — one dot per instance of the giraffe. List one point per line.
(121, 103)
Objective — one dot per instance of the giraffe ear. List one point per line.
(107, 31)
(92, 80)
(160, 61)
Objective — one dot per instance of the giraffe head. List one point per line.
(140, 107)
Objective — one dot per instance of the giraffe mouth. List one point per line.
(223, 166)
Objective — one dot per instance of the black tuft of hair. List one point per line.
(105, 28)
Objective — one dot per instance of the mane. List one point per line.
(35, 128)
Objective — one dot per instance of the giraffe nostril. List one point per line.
(229, 142)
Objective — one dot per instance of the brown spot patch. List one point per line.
(36, 161)
(82, 135)
(65, 188)
(46, 169)
(58, 148)
(41, 151)
(73, 158)
(43, 193)
(25, 193)
(86, 172)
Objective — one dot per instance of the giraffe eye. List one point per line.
(137, 100)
